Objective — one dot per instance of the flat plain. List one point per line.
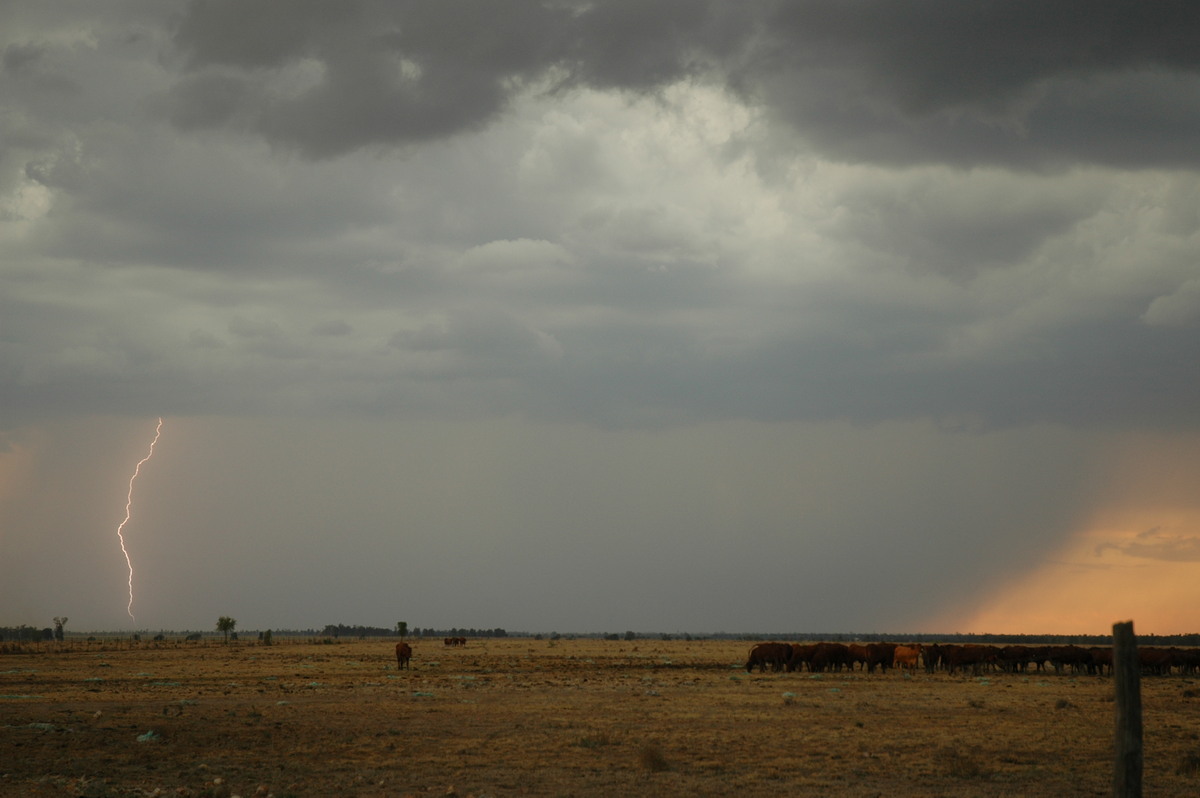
(568, 717)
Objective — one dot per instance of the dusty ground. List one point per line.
(570, 717)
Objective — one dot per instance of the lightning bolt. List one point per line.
(128, 508)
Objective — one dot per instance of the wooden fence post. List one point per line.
(1127, 671)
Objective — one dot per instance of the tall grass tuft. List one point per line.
(1189, 765)
(651, 758)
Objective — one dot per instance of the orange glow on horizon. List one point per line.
(1085, 592)
(1138, 557)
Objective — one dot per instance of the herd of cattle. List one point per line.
(973, 658)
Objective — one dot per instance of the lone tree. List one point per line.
(225, 624)
(59, 622)
(402, 628)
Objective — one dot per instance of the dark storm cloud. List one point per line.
(1029, 83)
(993, 82)
(533, 246)
(390, 74)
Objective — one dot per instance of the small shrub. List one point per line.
(1189, 765)
(651, 758)
(595, 741)
(1063, 703)
(959, 765)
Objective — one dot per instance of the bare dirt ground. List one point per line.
(568, 717)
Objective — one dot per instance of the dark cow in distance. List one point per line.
(802, 654)
(403, 655)
(859, 655)
(829, 656)
(880, 654)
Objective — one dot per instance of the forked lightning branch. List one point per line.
(129, 512)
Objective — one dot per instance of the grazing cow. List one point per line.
(403, 655)
(1158, 661)
(1017, 659)
(1075, 657)
(774, 654)
(1102, 660)
(906, 657)
(858, 655)
(829, 655)
(1189, 661)
(977, 656)
(802, 653)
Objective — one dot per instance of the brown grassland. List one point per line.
(521, 716)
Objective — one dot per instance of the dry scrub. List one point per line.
(576, 717)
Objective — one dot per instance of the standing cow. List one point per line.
(403, 655)
(906, 657)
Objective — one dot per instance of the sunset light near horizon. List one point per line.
(1136, 557)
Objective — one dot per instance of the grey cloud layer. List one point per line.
(227, 206)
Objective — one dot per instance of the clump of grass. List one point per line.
(789, 698)
(959, 765)
(1189, 765)
(1063, 703)
(651, 758)
(975, 703)
(595, 741)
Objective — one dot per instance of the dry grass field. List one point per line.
(568, 717)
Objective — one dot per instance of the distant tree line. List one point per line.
(344, 630)
(25, 634)
(456, 632)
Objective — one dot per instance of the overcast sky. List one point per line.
(648, 315)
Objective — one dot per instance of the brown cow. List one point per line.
(1158, 661)
(1075, 657)
(906, 657)
(774, 654)
(830, 656)
(802, 654)
(1015, 659)
(403, 655)
(934, 654)
(1102, 660)
(880, 654)
(978, 657)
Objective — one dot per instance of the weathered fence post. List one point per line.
(1127, 771)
